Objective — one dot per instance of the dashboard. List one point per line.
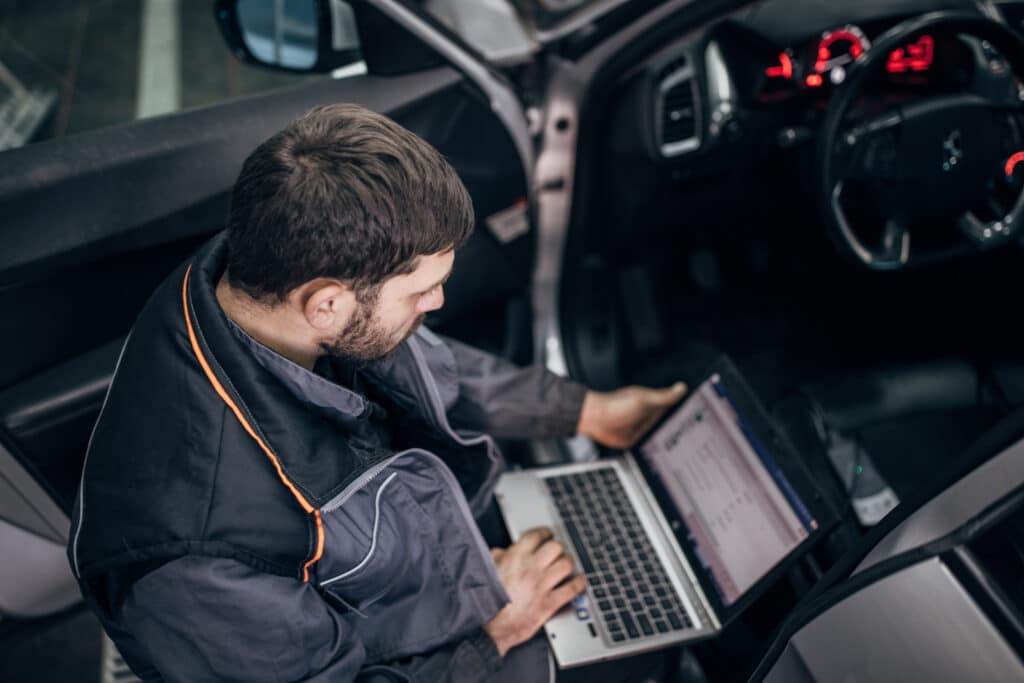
(719, 131)
(742, 77)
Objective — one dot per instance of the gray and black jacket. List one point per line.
(235, 521)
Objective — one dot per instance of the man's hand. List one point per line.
(618, 418)
(532, 570)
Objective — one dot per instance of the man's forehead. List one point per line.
(429, 270)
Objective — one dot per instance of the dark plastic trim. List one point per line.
(107, 192)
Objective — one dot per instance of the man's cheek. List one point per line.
(412, 327)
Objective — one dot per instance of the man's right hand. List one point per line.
(532, 570)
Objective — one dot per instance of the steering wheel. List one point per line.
(923, 163)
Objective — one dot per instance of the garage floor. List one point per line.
(112, 61)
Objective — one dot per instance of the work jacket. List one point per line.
(236, 521)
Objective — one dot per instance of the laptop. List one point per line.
(678, 535)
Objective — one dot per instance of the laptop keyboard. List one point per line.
(627, 581)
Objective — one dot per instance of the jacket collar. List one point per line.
(309, 387)
(308, 447)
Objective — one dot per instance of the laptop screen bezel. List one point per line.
(757, 420)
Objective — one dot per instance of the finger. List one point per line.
(559, 597)
(532, 538)
(496, 553)
(548, 552)
(668, 396)
(559, 570)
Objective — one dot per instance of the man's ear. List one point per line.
(324, 303)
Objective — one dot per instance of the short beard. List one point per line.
(362, 340)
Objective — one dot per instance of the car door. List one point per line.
(91, 224)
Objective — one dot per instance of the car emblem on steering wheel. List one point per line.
(952, 149)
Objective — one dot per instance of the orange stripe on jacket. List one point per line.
(252, 432)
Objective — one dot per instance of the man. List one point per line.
(285, 480)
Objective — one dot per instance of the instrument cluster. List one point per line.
(928, 62)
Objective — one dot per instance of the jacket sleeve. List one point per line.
(508, 401)
(211, 619)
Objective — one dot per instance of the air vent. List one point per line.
(678, 113)
(678, 110)
(672, 67)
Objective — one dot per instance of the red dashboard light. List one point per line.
(823, 56)
(914, 57)
(814, 81)
(1011, 163)
(783, 70)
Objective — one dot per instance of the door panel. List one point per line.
(48, 418)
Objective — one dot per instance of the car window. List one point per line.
(70, 66)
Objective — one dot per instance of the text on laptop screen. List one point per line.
(742, 515)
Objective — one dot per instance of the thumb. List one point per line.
(669, 395)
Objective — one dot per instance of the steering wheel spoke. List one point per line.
(895, 248)
(868, 150)
(881, 124)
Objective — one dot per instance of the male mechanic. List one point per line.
(286, 478)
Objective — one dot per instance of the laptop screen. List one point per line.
(741, 514)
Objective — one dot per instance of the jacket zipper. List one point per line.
(437, 412)
(360, 481)
(460, 498)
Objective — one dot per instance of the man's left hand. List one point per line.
(618, 418)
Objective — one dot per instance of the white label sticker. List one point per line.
(871, 509)
(510, 223)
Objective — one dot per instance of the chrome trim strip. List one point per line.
(503, 100)
(556, 166)
(577, 21)
(555, 179)
(683, 75)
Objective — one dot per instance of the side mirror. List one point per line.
(291, 35)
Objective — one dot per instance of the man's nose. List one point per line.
(433, 301)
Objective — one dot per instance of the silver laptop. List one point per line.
(679, 535)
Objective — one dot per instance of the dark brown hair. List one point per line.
(345, 193)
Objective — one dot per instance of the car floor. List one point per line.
(787, 319)
(781, 343)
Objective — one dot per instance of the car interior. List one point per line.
(770, 181)
(705, 242)
(704, 233)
